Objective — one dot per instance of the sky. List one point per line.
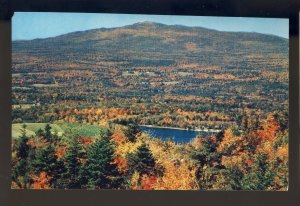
(32, 25)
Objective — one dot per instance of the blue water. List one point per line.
(178, 136)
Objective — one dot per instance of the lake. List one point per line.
(178, 136)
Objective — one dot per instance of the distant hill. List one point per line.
(150, 40)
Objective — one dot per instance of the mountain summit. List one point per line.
(154, 44)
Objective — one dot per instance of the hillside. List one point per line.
(149, 44)
(156, 65)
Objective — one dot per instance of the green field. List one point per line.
(61, 128)
(32, 128)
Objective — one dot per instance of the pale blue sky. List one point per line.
(31, 25)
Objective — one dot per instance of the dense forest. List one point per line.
(125, 158)
(79, 100)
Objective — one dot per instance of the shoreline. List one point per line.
(178, 128)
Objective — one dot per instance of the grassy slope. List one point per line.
(84, 130)
(32, 128)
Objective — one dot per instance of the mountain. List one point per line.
(152, 41)
(148, 59)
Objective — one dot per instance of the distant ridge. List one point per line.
(144, 43)
(149, 25)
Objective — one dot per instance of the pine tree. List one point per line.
(22, 148)
(143, 161)
(22, 167)
(48, 135)
(260, 176)
(39, 133)
(105, 134)
(208, 160)
(102, 172)
(245, 123)
(73, 177)
(47, 161)
(131, 132)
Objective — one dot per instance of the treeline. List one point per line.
(253, 159)
(253, 156)
(164, 113)
(48, 161)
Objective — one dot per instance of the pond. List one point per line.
(177, 135)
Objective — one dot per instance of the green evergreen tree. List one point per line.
(261, 175)
(245, 123)
(47, 161)
(22, 164)
(142, 161)
(22, 148)
(131, 132)
(209, 163)
(105, 134)
(102, 172)
(73, 177)
(48, 134)
(230, 179)
(39, 133)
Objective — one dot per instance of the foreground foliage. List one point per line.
(251, 157)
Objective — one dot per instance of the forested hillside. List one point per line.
(158, 74)
(125, 158)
